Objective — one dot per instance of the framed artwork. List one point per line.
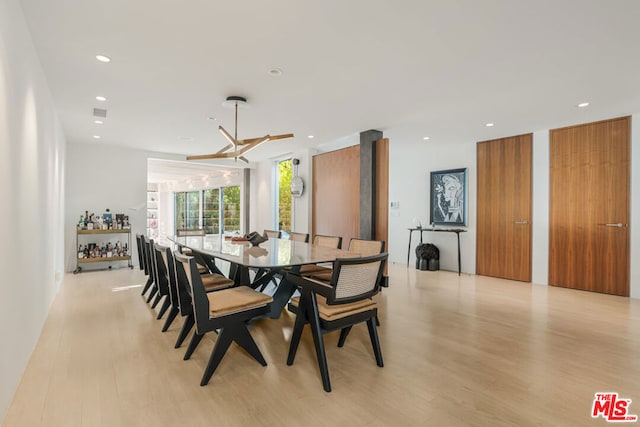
(448, 197)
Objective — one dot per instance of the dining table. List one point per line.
(268, 259)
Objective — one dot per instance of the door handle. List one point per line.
(521, 222)
(618, 224)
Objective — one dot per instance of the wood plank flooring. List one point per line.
(467, 350)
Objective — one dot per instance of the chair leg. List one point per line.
(219, 349)
(343, 335)
(375, 343)
(316, 332)
(164, 308)
(156, 300)
(244, 339)
(195, 340)
(186, 327)
(172, 315)
(298, 327)
(154, 289)
(147, 285)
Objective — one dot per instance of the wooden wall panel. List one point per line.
(503, 242)
(336, 194)
(382, 191)
(589, 206)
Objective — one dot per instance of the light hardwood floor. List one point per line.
(467, 350)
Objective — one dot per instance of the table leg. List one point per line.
(409, 250)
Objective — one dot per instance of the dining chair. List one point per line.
(139, 246)
(341, 304)
(332, 242)
(142, 250)
(161, 280)
(359, 246)
(272, 234)
(180, 298)
(299, 237)
(148, 252)
(184, 232)
(169, 267)
(227, 311)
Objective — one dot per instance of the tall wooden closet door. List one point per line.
(589, 207)
(503, 241)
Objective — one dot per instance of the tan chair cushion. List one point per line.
(214, 282)
(333, 312)
(234, 300)
(310, 269)
(323, 276)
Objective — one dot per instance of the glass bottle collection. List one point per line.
(104, 222)
(91, 250)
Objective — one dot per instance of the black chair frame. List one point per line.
(231, 327)
(307, 312)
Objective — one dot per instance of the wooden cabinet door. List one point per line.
(503, 241)
(589, 207)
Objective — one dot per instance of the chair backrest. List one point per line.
(143, 252)
(161, 269)
(187, 266)
(332, 242)
(272, 234)
(181, 232)
(366, 247)
(167, 259)
(182, 286)
(354, 279)
(150, 263)
(139, 245)
(299, 237)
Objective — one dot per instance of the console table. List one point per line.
(457, 231)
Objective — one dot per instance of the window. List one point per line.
(283, 197)
(187, 210)
(205, 209)
(231, 209)
(211, 211)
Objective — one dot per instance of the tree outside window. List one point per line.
(284, 195)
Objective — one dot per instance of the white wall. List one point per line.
(32, 165)
(410, 166)
(540, 208)
(99, 177)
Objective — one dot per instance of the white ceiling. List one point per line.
(415, 68)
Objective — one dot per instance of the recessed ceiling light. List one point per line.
(426, 138)
(103, 58)
(310, 137)
(98, 122)
(489, 125)
(275, 72)
(101, 98)
(583, 104)
(96, 136)
(213, 119)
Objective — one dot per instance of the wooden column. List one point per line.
(368, 183)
